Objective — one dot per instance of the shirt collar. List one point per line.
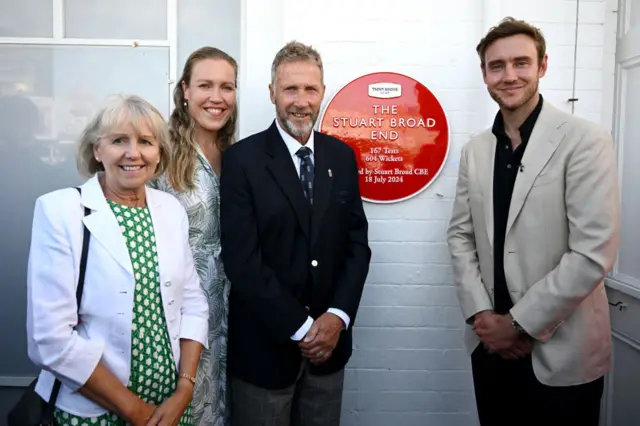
(525, 129)
(203, 160)
(293, 145)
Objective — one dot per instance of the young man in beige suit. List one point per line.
(534, 231)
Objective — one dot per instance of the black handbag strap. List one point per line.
(48, 414)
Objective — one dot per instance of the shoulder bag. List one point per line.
(32, 410)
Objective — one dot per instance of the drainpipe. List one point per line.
(573, 98)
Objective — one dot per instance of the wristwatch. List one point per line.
(518, 327)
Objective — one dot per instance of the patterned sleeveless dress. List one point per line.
(210, 404)
(153, 370)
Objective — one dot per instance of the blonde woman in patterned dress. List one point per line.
(202, 125)
(129, 354)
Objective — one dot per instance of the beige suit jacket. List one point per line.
(561, 240)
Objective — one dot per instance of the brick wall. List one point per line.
(409, 366)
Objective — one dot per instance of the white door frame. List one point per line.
(629, 286)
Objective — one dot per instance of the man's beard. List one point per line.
(297, 131)
(529, 93)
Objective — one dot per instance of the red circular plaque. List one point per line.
(397, 129)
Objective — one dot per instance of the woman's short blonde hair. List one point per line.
(116, 112)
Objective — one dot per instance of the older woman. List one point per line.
(201, 127)
(129, 352)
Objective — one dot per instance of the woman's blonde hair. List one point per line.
(115, 112)
(181, 170)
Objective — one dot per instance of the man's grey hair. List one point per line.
(295, 51)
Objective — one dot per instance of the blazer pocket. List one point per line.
(342, 197)
(545, 178)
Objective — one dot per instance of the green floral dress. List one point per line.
(153, 370)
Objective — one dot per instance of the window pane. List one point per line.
(208, 23)
(26, 18)
(634, 18)
(628, 260)
(139, 19)
(47, 95)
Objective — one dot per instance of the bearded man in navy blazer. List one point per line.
(295, 248)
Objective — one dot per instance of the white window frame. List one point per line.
(59, 39)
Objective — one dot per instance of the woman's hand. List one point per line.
(142, 413)
(171, 410)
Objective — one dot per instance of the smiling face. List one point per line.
(512, 71)
(297, 94)
(129, 154)
(211, 94)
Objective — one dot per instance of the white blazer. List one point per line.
(562, 239)
(104, 333)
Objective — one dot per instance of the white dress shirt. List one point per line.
(293, 146)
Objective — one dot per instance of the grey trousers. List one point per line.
(311, 401)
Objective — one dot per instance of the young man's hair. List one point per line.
(509, 27)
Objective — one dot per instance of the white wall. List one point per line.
(409, 366)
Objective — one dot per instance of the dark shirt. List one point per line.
(506, 168)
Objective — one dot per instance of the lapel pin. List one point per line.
(330, 174)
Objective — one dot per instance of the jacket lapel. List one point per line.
(283, 170)
(486, 164)
(544, 141)
(102, 223)
(160, 229)
(322, 180)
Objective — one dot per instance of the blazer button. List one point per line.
(314, 263)
(168, 284)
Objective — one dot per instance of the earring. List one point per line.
(97, 159)
(185, 103)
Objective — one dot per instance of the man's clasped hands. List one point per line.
(498, 335)
(322, 338)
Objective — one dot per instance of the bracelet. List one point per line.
(188, 377)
